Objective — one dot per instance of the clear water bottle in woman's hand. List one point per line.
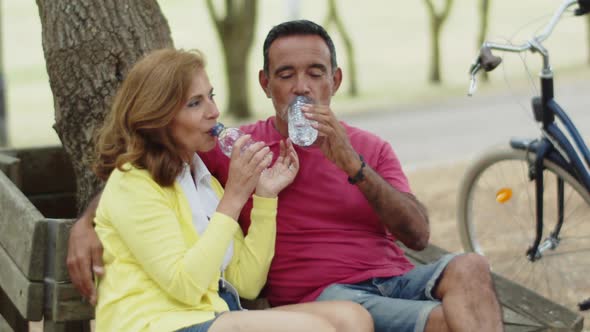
(227, 137)
(300, 130)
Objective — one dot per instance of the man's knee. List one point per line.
(469, 267)
(464, 270)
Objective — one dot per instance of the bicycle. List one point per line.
(526, 206)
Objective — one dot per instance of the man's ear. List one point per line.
(337, 80)
(263, 80)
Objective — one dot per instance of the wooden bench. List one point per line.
(36, 198)
(36, 207)
(523, 310)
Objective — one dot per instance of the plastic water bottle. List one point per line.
(227, 137)
(300, 130)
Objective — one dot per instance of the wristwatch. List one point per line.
(359, 176)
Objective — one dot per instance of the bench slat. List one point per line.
(26, 295)
(67, 304)
(21, 234)
(11, 167)
(10, 318)
(58, 231)
(536, 307)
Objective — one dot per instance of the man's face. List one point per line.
(298, 65)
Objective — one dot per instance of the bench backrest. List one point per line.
(33, 248)
(23, 236)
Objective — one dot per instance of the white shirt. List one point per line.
(202, 199)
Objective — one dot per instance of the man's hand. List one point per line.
(410, 224)
(333, 140)
(85, 254)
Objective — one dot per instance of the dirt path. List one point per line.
(437, 189)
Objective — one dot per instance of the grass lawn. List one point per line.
(391, 45)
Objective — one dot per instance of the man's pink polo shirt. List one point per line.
(326, 230)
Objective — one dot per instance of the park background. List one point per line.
(391, 43)
(392, 48)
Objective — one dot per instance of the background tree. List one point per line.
(89, 46)
(236, 32)
(484, 14)
(436, 22)
(3, 126)
(588, 34)
(334, 17)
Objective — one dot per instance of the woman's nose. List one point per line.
(214, 112)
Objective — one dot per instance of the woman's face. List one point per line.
(191, 125)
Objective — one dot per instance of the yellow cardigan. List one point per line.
(160, 275)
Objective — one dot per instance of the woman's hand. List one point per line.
(245, 168)
(281, 174)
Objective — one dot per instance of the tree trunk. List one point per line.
(3, 126)
(435, 76)
(436, 22)
(334, 16)
(588, 35)
(484, 10)
(236, 32)
(89, 46)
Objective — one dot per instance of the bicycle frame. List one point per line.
(554, 145)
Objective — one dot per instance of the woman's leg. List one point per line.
(344, 315)
(269, 320)
(315, 316)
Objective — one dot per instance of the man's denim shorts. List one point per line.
(400, 303)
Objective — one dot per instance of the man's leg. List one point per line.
(389, 314)
(468, 295)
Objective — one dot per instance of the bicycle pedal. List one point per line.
(584, 305)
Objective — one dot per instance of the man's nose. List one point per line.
(301, 86)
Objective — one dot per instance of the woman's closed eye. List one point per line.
(194, 103)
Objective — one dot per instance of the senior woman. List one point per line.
(175, 257)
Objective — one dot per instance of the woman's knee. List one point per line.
(353, 317)
(436, 321)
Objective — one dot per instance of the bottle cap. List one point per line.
(216, 130)
(302, 100)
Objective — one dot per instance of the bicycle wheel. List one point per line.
(497, 219)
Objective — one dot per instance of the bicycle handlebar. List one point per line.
(489, 62)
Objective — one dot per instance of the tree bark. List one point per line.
(236, 32)
(334, 17)
(436, 22)
(3, 126)
(484, 14)
(89, 46)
